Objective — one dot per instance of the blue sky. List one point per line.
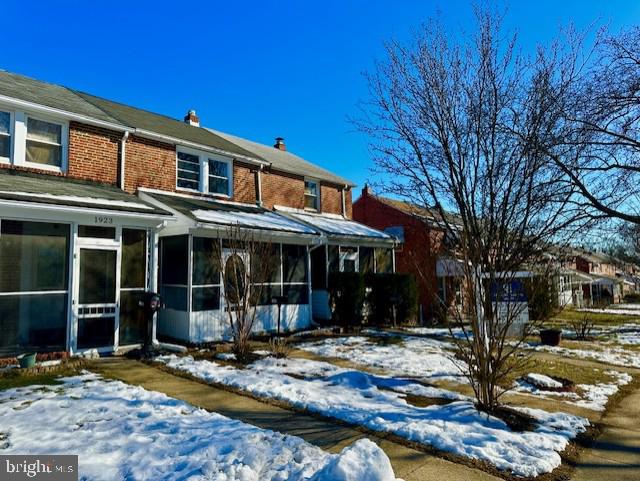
(256, 69)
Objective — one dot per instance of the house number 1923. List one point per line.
(101, 219)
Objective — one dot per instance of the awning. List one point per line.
(217, 214)
(339, 229)
(21, 189)
(582, 276)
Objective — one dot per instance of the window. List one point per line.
(311, 195)
(348, 259)
(218, 177)
(34, 275)
(44, 142)
(5, 136)
(188, 171)
(204, 172)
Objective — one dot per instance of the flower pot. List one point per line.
(27, 360)
(550, 337)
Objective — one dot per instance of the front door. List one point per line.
(97, 307)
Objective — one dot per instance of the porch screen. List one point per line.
(267, 275)
(294, 274)
(174, 273)
(384, 260)
(205, 291)
(133, 283)
(34, 275)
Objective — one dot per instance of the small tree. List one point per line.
(246, 264)
(456, 127)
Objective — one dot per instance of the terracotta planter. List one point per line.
(550, 337)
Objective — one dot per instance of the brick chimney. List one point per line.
(280, 144)
(365, 190)
(192, 119)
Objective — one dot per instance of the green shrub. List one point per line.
(632, 297)
(387, 291)
(346, 297)
(542, 296)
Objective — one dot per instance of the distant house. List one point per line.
(423, 248)
(100, 202)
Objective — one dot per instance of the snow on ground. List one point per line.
(589, 396)
(626, 311)
(616, 356)
(354, 397)
(542, 381)
(126, 432)
(414, 356)
(456, 332)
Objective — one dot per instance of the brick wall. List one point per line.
(420, 250)
(282, 189)
(244, 183)
(93, 153)
(149, 164)
(331, 199)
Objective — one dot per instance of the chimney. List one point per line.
(192, 119)
(365, 190)
(280, 144)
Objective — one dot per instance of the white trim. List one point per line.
(12, 135)
(21, 139)
(203, 181)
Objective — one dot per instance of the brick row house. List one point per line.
(101, 202)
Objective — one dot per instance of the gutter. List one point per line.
(123, 144)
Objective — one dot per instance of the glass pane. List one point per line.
(44, 131)
(310, 202)
(174, 297)
(265, 294)
(205, 299)
(204, 268)
(266, 265)
(188, 162)
(366, 260)
(349, 265)
(234, 278)
(188, 184)
(5, 123)
(384, 262)
(218, 186)
(97, 276)
(44, 153)
(294, 263)
(218, 168)
(188, 175)
(33, 322)
(5, 146)
(33, 256)
(134, 258)
(95, 332)
(334, 259)
(132, 321)
(188, 171)
(174, 260)
(296, 294)
(97, 232)
(311, 188)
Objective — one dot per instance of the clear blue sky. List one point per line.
(256, 69)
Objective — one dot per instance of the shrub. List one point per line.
(543, 298)
(632, 297)
(387, 291)
(280, 347)
(346, 297)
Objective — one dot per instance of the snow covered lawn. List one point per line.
(615, 356)
(376, 402)
(126, 432)
(623, 310)
(412, 356)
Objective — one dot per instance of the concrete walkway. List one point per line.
(409, 464)
(615, 456)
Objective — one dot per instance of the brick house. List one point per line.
(421, 252)
(100, 202)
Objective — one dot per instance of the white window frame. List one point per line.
(317, 196)
(12, 135)
(203, 184)
(64, 141)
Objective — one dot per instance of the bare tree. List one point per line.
(456, 124)
(597, 138)
(246, 264)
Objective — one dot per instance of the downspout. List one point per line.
(259, 185)
(344, 202)
(123, 143)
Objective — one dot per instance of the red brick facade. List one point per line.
(419, 252)
(94, 153)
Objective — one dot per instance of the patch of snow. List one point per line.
(622, 312)
(338, 225)
(258, 219)
(126, 432)
(615, 356)
(226, 356)
(456, 332)
(540, 380)
(414, 356)
(354, 397)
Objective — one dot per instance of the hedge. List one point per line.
(346, 297)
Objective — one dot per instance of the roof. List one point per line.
(27, 187)
(285, 161)
(227, 214)
(80, 103)
(337, 226)
(426, 214)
